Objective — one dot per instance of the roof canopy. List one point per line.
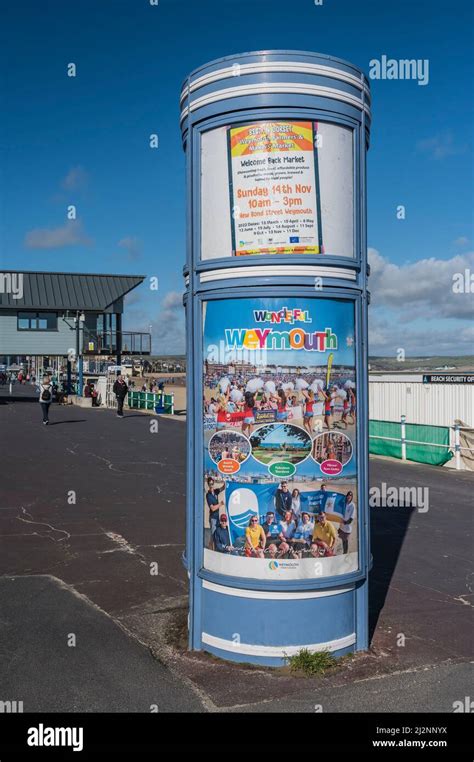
(66, 291)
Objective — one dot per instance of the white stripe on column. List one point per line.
(238, 592)
(275, 270)
(274, 67)
(268, 88)
(276, 651)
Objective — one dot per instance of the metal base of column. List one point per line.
(264, 628)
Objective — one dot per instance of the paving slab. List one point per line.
(105, 671)
(434, 689)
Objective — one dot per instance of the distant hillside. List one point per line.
(377, 364)
(167, 358)
(421, 364)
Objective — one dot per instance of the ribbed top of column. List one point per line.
(275, 78)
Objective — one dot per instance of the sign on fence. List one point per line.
(461, 378)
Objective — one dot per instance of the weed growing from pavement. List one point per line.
(311, 663)
(303, 664)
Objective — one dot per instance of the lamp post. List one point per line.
(79, 321)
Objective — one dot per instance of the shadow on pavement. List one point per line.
(136, 415)
(73, 420)
(6, 398)
(388, 528)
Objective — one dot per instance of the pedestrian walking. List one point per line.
(45, 398)
(120, 390)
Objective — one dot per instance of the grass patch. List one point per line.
(311, 663)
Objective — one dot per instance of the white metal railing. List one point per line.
(455, 447)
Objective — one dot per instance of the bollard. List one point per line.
(403, 436)
(457, 446)
(276, 314)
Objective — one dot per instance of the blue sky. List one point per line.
(84, 141)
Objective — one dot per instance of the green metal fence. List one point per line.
(410, 441)
(159, 402)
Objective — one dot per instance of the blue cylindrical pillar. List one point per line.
(277, 542)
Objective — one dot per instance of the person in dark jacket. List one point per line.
(120, 390)
(271, 528)
(212, 500)
(222, 537)
(283, 500)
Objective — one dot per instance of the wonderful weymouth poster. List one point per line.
(279, 430)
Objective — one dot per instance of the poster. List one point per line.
(279, 430)
(275, 196)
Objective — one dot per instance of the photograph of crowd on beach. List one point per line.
(228, 449)
(279, 430)
(252, 518)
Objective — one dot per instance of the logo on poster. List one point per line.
(242, 505)
(284, 315)
(297, 338)
(228, 466)
(331, 467)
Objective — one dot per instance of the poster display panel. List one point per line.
(279, 432)
(274, 187)
(277, 187)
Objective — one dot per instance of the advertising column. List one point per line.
(277, 540)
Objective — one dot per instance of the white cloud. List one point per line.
(439, 146)
(167, 327)
(172, 301)
(69, 234)
(76, 179)
(386, 338)
(421, 289)
(132, 245)
(467, 334)
(461, 241)
(169, 343)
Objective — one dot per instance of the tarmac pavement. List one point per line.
(60, 653)
(89, 503)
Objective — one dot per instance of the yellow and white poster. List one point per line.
(274, 189)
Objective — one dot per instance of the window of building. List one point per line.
(37, 321)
